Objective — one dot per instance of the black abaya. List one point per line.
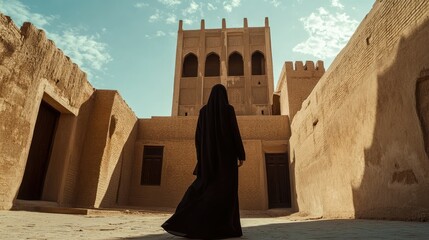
(209, 209)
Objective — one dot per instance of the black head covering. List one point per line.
(217, 114)
(218, 97)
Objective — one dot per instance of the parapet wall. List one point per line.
(310, 69)
(296, 83)
(357, 143)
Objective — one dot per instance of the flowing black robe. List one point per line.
(209, 209)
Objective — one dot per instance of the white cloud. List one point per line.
(157, 34)
(230, 4)
(188, 21)
(21, 13)
(141, 5)
(193, 7)
(211, 7)
(87, 51)
(171, 19)
(275, 3)
(170, 3)
(160, 33)
(328, 32)
(337, 3)
(155, 17)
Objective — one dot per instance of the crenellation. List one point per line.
(299, 66)
(180, 26)
(309, 66)
(203, 24)
(288, 66)
(320, 66)
(296, 83)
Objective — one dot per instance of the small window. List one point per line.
(152, 165)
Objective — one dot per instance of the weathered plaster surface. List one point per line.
(356, 144)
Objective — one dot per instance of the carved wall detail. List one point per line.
(257, 40)
(191, 42)
(212, 41)
(235, 40)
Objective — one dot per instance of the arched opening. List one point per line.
(212, 67)
(190, 66)
(235, 65)
(258, 63)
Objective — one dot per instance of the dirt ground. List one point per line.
(34, 225)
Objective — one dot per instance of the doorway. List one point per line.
(39, 155)
(278, 181)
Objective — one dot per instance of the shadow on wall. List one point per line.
(294, 196)
(328, 229)
(395, 182)
(76, 144)
(118, 188)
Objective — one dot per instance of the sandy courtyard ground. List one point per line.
(33, 225)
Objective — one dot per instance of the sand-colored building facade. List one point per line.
(359, 142)
(96, 152)
(239, 58)
(354, 137)
(61, 140)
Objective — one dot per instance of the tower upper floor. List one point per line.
(239, 58)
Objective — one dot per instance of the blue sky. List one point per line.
(130, 45)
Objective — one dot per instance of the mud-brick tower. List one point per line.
(238, 58)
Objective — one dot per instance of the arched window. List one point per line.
(258, 63)
(212, 65)
(235, 65)
(190, 66)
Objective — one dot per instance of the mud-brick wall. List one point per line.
(295, 84)
(30, 65)
(108, 151)
(357, 143)
(260, 134)
(94, 136)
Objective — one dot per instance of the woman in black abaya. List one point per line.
(209, 209)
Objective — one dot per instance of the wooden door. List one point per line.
(279, 195)
(39, 154)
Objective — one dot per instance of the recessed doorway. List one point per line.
(278, 181)
(39, 155)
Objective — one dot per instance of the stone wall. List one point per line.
(260, 134)
(357, 143)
